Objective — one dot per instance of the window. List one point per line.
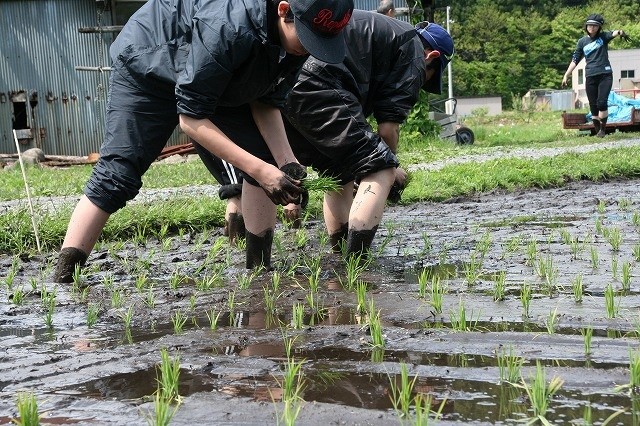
(627, 74)
(580, 76)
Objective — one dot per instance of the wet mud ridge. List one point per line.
(473, 299)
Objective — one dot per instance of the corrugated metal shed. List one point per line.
(42, 95)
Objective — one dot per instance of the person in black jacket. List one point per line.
(210, 67)
(594, 47)
(388, 61)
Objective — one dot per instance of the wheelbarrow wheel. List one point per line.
(464, 136)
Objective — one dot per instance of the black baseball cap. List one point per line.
(319, 25)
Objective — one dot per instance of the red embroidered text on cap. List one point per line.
(323, 23)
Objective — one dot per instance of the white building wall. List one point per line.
(466, 105)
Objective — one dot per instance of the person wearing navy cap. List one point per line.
(594, 47)
(210, 67)
(387, 62)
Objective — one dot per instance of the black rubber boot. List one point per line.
(359, 242)
(338, 238)
(596, 126)
(235, 228)
(603, 124)
(68, 258)
(259, 250)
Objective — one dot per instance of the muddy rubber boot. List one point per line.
(603, 124)
(337, 239)
(68, 258)
(235, 228)
(259, 250)
(596, 126)
(359, 242)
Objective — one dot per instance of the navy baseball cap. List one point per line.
(319, 25)
(434, 37)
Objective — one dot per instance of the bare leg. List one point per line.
(85, 226)
(366, 210)
(260, 218)
(336, 208)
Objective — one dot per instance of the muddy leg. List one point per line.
(259, 250)
(359, 242)
(338, 238)
(235, 227)
(68, 258)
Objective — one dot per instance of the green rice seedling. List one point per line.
(297, 318)
(361, 293)
(610, 302)
(301, 238)
(635, 218)
(127, 318)
(614, 238)
(423, 413)
(436, 294)
(163, 411)
(92, 314)
(168, 376)
(107, 281)
(27, 406)
(551, 322)
(614, 268)
(594, 258)
(427, 244)
(214, 317)
(578, 288)
(313, 301)
(192, 302)
(354, 267)
(624, 204)
(278, 243)
(12, 273)
(565, 236)
(78, 279)
(601, 207)
(293, 384)
(483, 245)
(423, 279)
(321, 183)
(391, 231)
(545, 269)
(634, 373)
(540, 393)
(270, 299)
(473, 270)
(509, 365)
(599, 227)
(178, 319)
(231, 301)
(34, 284)
(323, 239)
(444, 253)
(244, 280)
(401, 394)
(375, 326)
(626, 276)
(50, 306)
(636, 252)
(459, 320)
(587, 334)
(275, 281)
(167, 244)
(577, 248)
(117, 298)
(176, 279)
(17, 297)
(150, 298)
(587, 417)
(525, 298)
(532, 252)
(141, 282)
(499, 286)
(209, 281)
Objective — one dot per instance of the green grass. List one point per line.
(503, 133)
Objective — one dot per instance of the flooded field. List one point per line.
(470, 302)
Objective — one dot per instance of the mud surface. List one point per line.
(89, 367)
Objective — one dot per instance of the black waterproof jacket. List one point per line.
(328, 105)
(211, 52)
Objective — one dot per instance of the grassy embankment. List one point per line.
(503, 134)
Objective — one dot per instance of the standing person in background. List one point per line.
(388, 61)
(594, 47)
(387, 8)
(208, 66)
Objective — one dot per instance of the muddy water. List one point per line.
(91, 356)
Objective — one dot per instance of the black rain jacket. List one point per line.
(210, 52)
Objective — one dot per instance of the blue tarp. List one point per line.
(620, 108)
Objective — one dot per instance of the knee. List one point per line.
(112, 184)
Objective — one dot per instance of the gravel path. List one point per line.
(163, 194)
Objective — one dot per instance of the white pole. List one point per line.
(449, 104)
(26, 186)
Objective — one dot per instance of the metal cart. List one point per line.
(451, 130)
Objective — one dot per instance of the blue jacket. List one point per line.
(211, 52)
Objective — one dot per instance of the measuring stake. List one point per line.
(26, 187)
